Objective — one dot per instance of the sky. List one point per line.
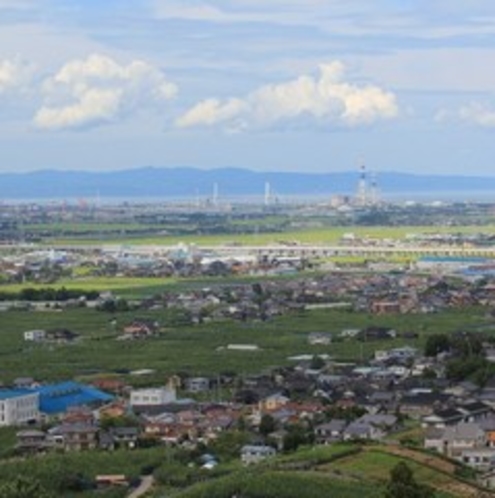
(278, 85)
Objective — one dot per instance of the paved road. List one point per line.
(146, 484)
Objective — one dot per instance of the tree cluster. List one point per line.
(402, 484)
(47, 294)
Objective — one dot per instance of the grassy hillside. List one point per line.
(341, 471)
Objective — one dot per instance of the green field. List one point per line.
(194, 349)
(84, 227)
(329, 235)
(122, 284)
(140, 287)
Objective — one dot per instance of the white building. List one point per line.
(34, 335)
(155, 396)
(18, 407)
(255, 454)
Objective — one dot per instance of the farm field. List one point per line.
(198, 349)
(327, 235)
(125, 285)
(140, 287)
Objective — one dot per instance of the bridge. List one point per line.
(274, 250)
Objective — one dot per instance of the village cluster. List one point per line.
(426, 288)
(317, 401)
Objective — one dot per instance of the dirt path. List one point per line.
(146, 484)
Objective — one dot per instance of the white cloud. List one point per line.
(99, 90)
(284, 12)
(327, 99)
(15, 76)
(474, 114)
(478, 114)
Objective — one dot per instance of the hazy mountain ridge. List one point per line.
(189, 182)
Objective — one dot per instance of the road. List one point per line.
(273, 250)
(146, 484)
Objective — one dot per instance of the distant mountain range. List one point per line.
(191, 182)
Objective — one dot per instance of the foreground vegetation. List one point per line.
(341, 470)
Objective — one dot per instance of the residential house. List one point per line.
(421, 403)
(197, 384)
(319, 339)
(153, 396)
(61, 335)
(385, 307)
(443, 418)
(376, 333)
(330, 432)
(251, 454)
(75, 437)
(362, 431)
(374, 427)
(383, 400)
(273, 402)
(31, 441)
(433, 439)
(452, 441)
(475, 411)
(481, 459)
(488, 425)
(110, 384)
(24, 382)
(122, 437)
(34, 335)
(140, 329)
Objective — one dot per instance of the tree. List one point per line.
(23, 487)
(228, 444)
(437, 343)
(296, 436)
(467, 344)
(317, 362)
(403, 485)
(267, 424)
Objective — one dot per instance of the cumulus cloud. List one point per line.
(326, 99)
(15, 76)
(99, 90)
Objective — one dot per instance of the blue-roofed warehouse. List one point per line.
(58, 398)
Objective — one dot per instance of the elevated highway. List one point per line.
(304, 251)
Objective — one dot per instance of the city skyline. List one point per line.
(289, 86)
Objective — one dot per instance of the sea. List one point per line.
(434, 197)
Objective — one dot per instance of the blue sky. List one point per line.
(294, 85)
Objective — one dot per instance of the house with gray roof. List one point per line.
(330, 432)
